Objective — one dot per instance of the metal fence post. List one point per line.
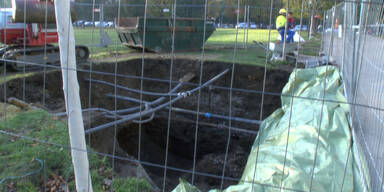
(344, 36)
(323, 33)
(248, 23)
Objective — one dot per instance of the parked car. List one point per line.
(303, 28)
(88, 24)
(100, 24)
(253, 25)
(226, 26)
(241, 26)
(79, 23)
(110, 24)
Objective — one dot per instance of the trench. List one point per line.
(212, 135)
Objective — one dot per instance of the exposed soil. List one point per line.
(212, 134)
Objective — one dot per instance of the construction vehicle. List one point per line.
(28, 42)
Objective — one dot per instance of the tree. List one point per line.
(6, 4)
(163, 8)
(223, 10)
(318, 7)
(311, 8)
(226, 10)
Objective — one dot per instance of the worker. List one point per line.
(281, 21)
(291, 21)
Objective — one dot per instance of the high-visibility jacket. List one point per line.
(280, 22)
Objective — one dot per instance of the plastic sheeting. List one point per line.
(292, 153)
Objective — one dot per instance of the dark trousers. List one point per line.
(289, 33)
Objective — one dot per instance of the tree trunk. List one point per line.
(35, 11)
(312, 29)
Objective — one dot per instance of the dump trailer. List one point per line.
(188, 36)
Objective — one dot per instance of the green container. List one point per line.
(189, 33)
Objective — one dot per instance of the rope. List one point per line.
(26, 174)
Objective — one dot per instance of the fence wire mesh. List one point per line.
(152, 118)
(355, 30)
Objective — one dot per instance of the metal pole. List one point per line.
(344, 38)
(357, 45)
(245, 21)
(309, 18)
(362, 40)
(285, 33)
(246, 43)
(352, 88)
(157, 108)
(101, 25)
(354, 39)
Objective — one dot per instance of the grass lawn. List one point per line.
(219, 47)
(91, 38)
(312, 46)
(228, 36)
(27, 165)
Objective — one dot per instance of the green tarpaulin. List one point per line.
(291, 142)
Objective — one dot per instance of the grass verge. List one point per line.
(219, 47)
(50, 166)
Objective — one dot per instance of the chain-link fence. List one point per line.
(151, 119)
(96, 20)
(353, 39)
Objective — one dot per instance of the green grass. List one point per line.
(19, 156)
(228, 36)
(90, 37)
(219, 47)
(312, 46)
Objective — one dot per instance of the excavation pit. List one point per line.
(210, 151)
(212, 135)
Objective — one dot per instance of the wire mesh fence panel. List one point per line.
(221, 16)
(362, 69)
(179, 91)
